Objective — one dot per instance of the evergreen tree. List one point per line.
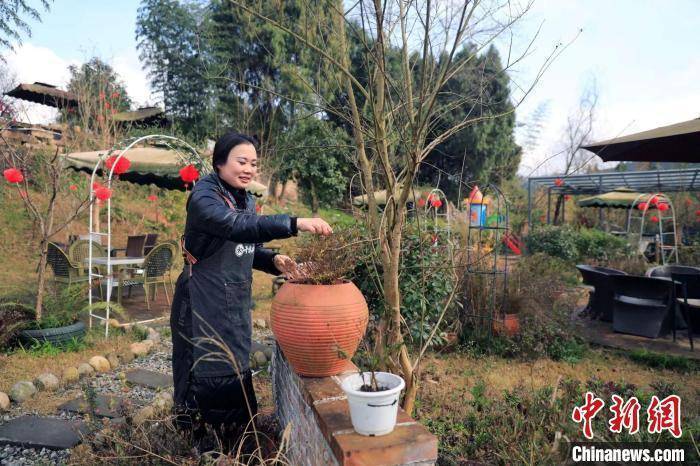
(11, 22)
(169, 36)
(485, 151)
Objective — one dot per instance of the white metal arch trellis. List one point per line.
(665, 238)
(185, 152)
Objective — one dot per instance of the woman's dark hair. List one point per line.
(227, 142)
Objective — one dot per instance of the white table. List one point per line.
(114, 261)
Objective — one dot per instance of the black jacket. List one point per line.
(211, 222)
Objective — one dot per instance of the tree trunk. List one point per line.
(314, 199)
(558, 208)
(41, 278)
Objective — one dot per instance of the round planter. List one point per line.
(509, 326)
(373, 413)
(55, 336)
(319, 327)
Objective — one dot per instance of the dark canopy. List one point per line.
(674, 143)
(45, 94)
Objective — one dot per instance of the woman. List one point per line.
(222, 244)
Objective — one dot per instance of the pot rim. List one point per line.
(360, 394)
(297, 281)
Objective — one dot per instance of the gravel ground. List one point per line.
(159, 360)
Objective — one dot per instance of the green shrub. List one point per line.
(62, 306)
(574, 245)
(425, 281)
(597, 245)
(663, 361)
(556, 241)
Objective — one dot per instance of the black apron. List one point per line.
(212, 300)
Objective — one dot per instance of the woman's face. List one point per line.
(241, 166)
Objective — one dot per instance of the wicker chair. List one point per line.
(80, 250)
(64, 270)
(156, 270)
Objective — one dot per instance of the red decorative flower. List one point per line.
(115, 95)
(122, 165)
(189, 174)
(654, 219)
(567, 197)
(13, 175)
(102, 96)
(431, 197)
(107, 105)
(437, 203)
(642, 206)
(654, 200)
(688, 202)
(73, 187)
(100, 118)
(421, 202)
(663, 207)
(153, 198)
(558, 182)
(697, 212)
(258, 209)
(103, 193)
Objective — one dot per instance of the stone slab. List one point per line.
(42, 432)
(149, 379)
(105, 406)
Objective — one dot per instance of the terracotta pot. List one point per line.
(319, 327)
(509, 326)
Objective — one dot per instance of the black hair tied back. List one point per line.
(227, 142)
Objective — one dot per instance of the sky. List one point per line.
(641, 56)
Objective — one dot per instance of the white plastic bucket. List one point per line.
(373, 413)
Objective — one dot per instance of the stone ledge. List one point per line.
(409, 443)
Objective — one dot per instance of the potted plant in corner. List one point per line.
(319, 317)
(373, 398)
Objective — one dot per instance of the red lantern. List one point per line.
(102, 193)
(73, 187)
(688, 202)
(437, 203)
(421, 202)
(663, 207)
(642, 206)
(122, 165)
(13, 175)
(558, 182)
(697, 212)
(153, 198)
(654, 219)
(189, 174)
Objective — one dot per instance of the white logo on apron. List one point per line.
(244, 249)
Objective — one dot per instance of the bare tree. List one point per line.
(394, 108)
(44, 172)
(579, 127)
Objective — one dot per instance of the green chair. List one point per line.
(79, 251)
(64, 270)
(156, 270)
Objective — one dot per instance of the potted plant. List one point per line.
(373, 398)
(318, 317)
(509, 325)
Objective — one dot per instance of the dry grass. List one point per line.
(26, 366)
(446, 375)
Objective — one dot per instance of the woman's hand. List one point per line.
(317, 226)
(285, 264)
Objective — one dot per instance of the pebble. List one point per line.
(70, 375)
(22, 391)
(99, 363)
(260, 358)
(46, 381)
(113, 360)
(4, 401)
(85, 369)
(138, 349)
